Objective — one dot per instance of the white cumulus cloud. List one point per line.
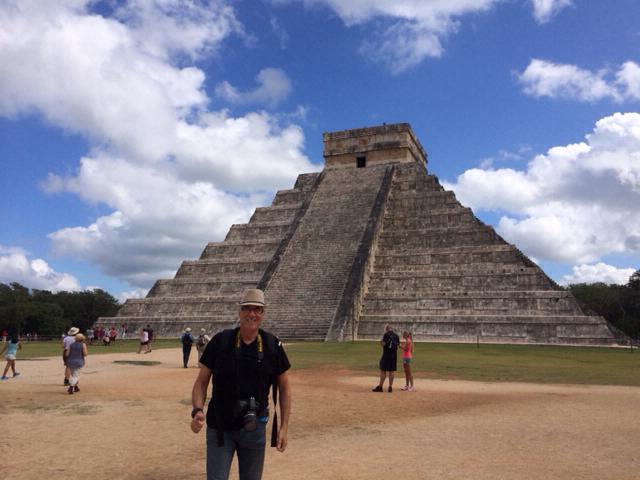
(599, 272)
(404, 33)
(542, 78)
(17, 266)
(410, 30)
(545, 10)
(575, 204)
(628, 78)
(135, 293)
(174, 173)
(273, 87)
(166, 27)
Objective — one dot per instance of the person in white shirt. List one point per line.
(144, 341)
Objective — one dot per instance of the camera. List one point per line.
(248, 410)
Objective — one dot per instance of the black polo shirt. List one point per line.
(240, 373)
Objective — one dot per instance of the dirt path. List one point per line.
(131, 422)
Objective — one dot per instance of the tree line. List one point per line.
(619, 304)
(44, 313)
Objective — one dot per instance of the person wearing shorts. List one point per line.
(407, 356)
(144, 341)
(389, 360)
(10, 351)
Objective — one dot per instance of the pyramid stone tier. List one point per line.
(372, 239)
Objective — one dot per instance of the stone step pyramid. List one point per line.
(370, 240)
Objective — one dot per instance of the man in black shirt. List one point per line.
(243, 363)
(389, 361)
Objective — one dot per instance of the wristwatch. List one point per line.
(196, 410)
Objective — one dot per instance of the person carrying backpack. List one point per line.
(201, 343)
(187, 342)
(389, 361)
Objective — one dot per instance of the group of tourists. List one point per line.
(74, 351)
(243, 364)
(73, 355)
(104, 336)
(389, 361)
(188, 341)
(29, 337)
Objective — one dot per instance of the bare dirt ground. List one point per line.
(132, 422)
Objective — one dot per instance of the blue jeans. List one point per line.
(250, 447)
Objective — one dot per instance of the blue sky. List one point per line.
(134, 132)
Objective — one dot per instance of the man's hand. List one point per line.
(282, 439)
(197, 422)
(198, 397)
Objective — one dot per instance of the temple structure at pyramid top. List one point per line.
(371, 239)
(385, 144)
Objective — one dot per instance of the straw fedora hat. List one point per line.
(253, 296)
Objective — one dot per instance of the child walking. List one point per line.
(407, 355)
(11, 347)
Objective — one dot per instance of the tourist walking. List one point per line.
(201, 343)
(75, 353)
(389, 360)
(407, 356)
(186, 339)
(151, 335)
(243, 363)
(144, 341)
(67, 340)
(10, 350)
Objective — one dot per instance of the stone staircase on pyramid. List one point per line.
(204, 292)
(306, 290)
(370, 240)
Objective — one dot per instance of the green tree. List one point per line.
(634, 281)
(45, 318)
(82, 309)
(11, 297)
(619, 304)
(632, 302)
(50, 313)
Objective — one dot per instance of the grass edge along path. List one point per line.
(487, 363)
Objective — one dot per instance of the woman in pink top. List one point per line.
(407, 355)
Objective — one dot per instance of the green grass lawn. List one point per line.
(54, 348)
(492, 363)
